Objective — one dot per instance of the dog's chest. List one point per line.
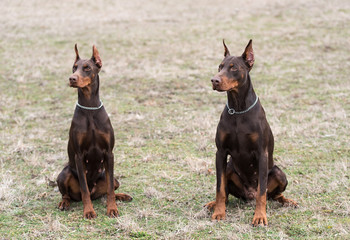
(240, 141)
(95, 138)
(242, 146)
(235, 136)
(90, 133)
(95, 144)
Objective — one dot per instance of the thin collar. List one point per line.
(232, 111)
(90, 108)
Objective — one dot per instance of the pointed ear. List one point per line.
(227, 52)
(96, 57)
(77, 58)
(248, 54)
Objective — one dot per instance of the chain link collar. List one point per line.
(232, 111)
(90, 108)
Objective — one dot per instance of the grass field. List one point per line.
(158, 58)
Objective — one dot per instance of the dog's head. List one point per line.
(233, 71)
(85, 70)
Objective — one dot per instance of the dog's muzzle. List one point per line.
(216, 82)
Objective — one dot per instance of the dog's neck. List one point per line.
(89, 96)
(243, 97)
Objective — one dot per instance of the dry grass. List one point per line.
(158, 58)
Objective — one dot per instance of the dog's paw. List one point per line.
(210, 205)
(286, 202)
(290, 203)
(113, 212)
(123, 197)
(90, 214)
(259, 220)
(218, 216)
(64, 204)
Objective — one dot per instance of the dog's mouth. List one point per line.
(217, 87)
(78, 84)
(221, 87)
(73, 85)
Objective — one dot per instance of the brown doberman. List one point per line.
(244, 134)
(89, 173)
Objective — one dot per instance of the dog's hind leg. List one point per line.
(68, 185)
(100, 189)
(277, 183)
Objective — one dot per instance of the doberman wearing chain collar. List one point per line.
(89, 173)
(244, 134)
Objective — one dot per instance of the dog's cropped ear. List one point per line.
(77, 58)
(96, 57)
(248, 55)
(227, 52)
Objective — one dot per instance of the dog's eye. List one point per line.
(220, 67)
(74, 68)
(233, 69)
(87, 69)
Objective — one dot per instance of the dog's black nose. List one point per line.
(73, 79)
(216, 80)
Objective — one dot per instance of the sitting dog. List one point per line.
(244, 134)
(89, 173)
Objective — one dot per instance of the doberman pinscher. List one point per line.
(89, 173)
(244, 133)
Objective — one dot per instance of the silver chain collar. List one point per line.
(90, 108)
(232, 111)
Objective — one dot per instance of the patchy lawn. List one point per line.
(158, 58)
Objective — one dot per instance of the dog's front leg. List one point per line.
(89, 211)
(221, 183)
(112, 210)
(260, 208)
